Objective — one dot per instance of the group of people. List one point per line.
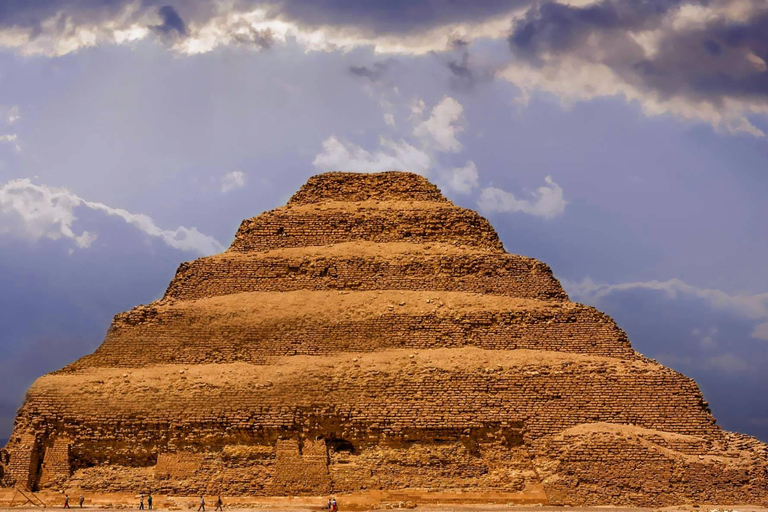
(219, 504)
(66, 501)
(141, 501)
(332, 506)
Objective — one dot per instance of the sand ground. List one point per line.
(374, 500)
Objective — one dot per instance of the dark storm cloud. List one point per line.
(557, 27)
(379, 16)
(24, 13)
(172, 22)
(263, 39)
(466, 73)
(709, 62)
(395, 16)
(373, 73)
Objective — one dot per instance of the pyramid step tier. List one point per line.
(355, 187)
(367, 266)
(257, 327)
(439, 393)
(370, 221)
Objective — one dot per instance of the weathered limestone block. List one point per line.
(366, 268)
(352, 187)
(644, 468)
(261, 326)
(56, 468)
(336, 223)
(301, 472)
(23, 460)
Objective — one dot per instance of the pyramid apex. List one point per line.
(356, 186)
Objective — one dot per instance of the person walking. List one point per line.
(141, 501)
(201, 508)
(66, 501)
(81, 501)
(149, 501)
(219, 504)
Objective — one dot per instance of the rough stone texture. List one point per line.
(372, 335)
(366, 267)
(56, 468)
(373, 221)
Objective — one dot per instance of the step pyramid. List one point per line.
(371, 335)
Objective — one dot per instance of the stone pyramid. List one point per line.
(371, 335)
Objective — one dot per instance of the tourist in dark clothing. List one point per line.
(81, 501)
(219, 504)
(149, 501)
(141, 502)
(202, 505)
(66, 501)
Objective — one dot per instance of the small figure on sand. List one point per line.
(219, 504)
(149, 501)
(141, 501)
(202, 505)
(328, 505)
(66, 501)
(334, 507)
(82, 500)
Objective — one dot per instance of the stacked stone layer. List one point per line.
(259, 327)
(372, 335)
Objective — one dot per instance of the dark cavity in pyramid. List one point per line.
(372, 335)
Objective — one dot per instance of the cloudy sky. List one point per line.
(623, 142)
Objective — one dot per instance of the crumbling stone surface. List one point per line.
(372, 335)
(351, 187)
(366, 267)
(372, 221)
(259, 327)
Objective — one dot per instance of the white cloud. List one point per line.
(13, 114)
(442, 128)
(574, 80)
(761, 331)
(392, 156)
(38, 211)
(232, 181)
(462, 179)
(11, 138)
(257, 27)
(546, 201)
(436, 134)
(751, 306)
(417, 107)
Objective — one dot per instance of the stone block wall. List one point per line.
(421, 223)
(355, 187)
(645, 471)
(24, 459)
(56, 468)
(376, 396)
(304, 472)
(488, 273)
(185, 335)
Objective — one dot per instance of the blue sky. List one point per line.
(621, 142)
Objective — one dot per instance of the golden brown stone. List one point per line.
(371, 335)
